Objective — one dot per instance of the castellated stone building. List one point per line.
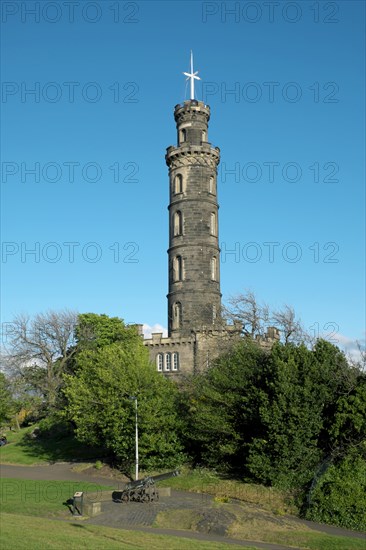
(196, 331)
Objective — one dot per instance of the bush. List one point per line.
(339, 497)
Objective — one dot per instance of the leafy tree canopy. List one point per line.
(6, 402)
(99, 405)
(94, 331)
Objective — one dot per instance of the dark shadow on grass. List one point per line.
(59, 448)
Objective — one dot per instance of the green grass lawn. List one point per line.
(21, 499)
(19, 532)
(27, 452)
(42, 498)
(28, 506)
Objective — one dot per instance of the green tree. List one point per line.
(290, 406)
(98, 404)
(221, 411)
(269, 415)
(6, 401)
(347, 433)
(94, 331)
(299, 392)
(339, 497)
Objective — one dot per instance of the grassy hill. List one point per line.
(37, 513)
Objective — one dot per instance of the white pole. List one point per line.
(137, 444)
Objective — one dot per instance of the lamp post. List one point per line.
(133, 398)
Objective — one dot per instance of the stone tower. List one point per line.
(196, 332)
(194, 298)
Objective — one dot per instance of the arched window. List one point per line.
(211, 185)
(214, 268)
(213, 224)
(182, 135)
(178, 184)
(177, 223)
(177, 269)
(204, 135)
(177, 315)
(159, 362)
(175, 361)
(168, 361)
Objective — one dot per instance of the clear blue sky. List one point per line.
(107, 76)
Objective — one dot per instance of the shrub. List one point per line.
(339, 497)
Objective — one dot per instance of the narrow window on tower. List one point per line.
(204, 136)
(178, 184)
(182, 136)
(168, 361)
(178, 269)
(213, 224)
(159, 362)
(211, 186)
(178, 223)
(214, 313)
(214, 268)
(175, 362)
(177, 315)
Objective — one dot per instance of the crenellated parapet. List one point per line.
(193, 155)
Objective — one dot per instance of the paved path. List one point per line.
(61, 471)
(139, 516)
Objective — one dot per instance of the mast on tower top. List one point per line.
(192, 76)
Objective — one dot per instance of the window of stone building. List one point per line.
(213, 224)
(214, 312)
(178, 268)
(175, 364)
(204, 135)
(178, 184)
(178, 223)
(159, 362)
(177, 315)
(214, 268)
(168, 361)
(182, 135)
(211, 185)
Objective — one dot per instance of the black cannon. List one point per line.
(142, 490)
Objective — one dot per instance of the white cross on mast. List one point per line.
(192, 76)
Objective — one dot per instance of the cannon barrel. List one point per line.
(167, 475)
(150, 480)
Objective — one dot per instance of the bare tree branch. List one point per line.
(44, 342)
(246, 309)
(285, 320)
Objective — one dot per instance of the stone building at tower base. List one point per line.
(187, 355)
